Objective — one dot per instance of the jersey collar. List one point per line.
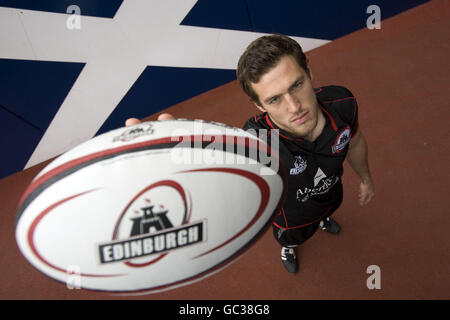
(281, 132)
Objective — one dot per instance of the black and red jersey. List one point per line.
(314, 169)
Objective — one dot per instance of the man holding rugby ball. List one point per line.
(317, 130)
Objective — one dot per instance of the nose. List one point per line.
(293, 103)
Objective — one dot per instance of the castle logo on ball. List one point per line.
(146, 228)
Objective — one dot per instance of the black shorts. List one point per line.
(295, 236)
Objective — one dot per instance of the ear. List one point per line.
(259, 107)
(311, 76)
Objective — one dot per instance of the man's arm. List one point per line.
(357, 157)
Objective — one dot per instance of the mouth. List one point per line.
(301, 119)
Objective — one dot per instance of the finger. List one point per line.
(132, 121)
(362, 197)
(366, 199)
(166, 116)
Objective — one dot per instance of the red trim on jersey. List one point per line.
(333, 124)
(354, 112)
(285, 220)
(268, 121)
(330, 101)
(271, 125)
(303, 225)
(257, 118)
(353, 120)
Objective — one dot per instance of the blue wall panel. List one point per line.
(31, 92)
(232, 15)
(321, 19)
(34, 90)
(161, 87)
(17, 142)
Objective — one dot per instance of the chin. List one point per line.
(303, 130)
(299, 132)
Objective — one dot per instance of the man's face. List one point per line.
(287, 94)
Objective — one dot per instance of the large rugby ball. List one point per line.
(150, 207)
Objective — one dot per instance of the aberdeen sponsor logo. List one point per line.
(147, 228)
(143, 129)
(341, 141)
(322, 184)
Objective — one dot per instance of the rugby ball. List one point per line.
(150, 207)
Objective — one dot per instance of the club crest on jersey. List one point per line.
(147, 229)
(299, 166)
(342, 140)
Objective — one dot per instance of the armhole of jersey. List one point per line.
(355, 122)
(354, 129)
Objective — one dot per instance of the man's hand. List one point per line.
(366, 192)
(162, 116)
(357, 157)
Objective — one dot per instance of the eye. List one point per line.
(274, 100)
(297, 84)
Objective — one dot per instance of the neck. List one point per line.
(315, 133)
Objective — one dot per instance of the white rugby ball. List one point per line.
(150, 207)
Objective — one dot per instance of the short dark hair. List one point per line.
(262, 55)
